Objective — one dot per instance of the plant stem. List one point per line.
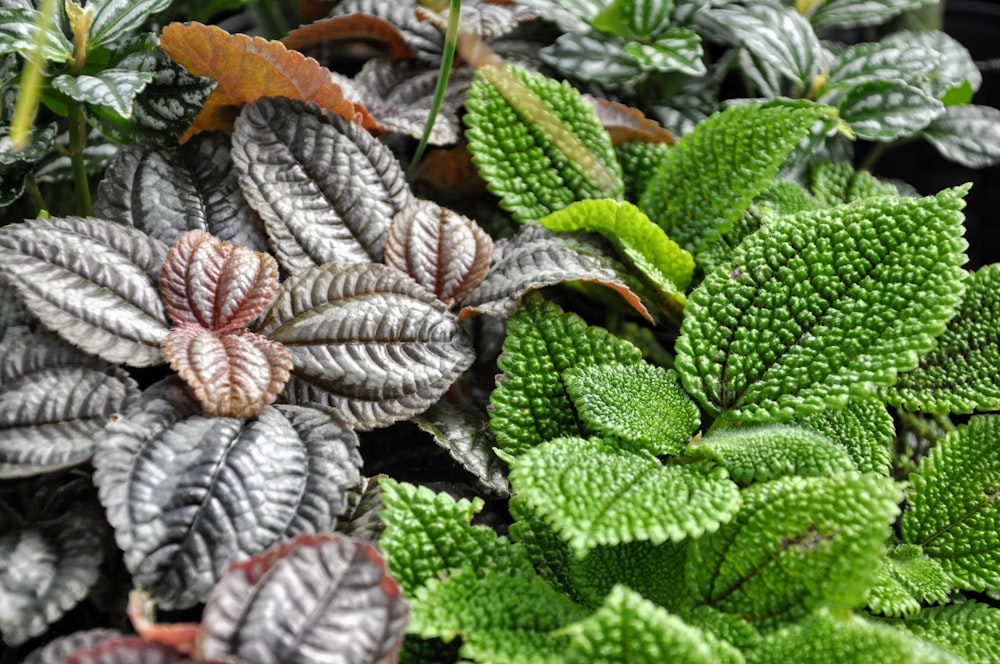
(31, 81)
(269, 19)
(872, 157)
(77, 143)
(35, 196)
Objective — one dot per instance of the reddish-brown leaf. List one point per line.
(216, 285)
(311, 10)
(233, 374)
(450, 172)
(442, 250)
(351, 28)
(182, 637)
(625, 123)
(248, 68)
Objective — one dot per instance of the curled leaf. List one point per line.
(625, 123)
(350, 28)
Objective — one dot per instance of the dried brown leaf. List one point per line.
(626, 123)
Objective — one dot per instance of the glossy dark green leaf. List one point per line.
(465, 433)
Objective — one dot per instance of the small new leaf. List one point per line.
(906, 578)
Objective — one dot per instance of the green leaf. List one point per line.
(954, 66)
(635, 19)
(969, 135)
(499, 618)
(834, 183)
(538, 145)
(593, 56)
(19, 33)
(970, 629)
(888, 109)
(759, 454)
(864, 428)
(880, 61)
(643, 243)
(960, 95)
(825, 638)
(530, 404)
(628, 628)
(953, 511)
(713, 173)
(857, 13)
(428, 535)
(114, 88)
(726, 626)
(677, 50)
(550, 555)
(824, 306)
(797, 544)
(639, 161)
(641, 404)
(655, 571)
(594, 493)
(907, 577)
(114, 19)
(960, 375)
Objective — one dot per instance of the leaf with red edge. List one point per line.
(248, 68)
(315, 598)
(233, 374)
(57, 650)
(626, 123)
(129, 650)
(441, 249)
(351, 28)
(216, 285)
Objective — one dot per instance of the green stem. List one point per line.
(35, 196)
(872, 157)
(269, 19)
(77, 143)
(31, 81)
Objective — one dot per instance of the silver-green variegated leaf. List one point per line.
(46, 568)
(465, 432)
(19, 33)
(796, 544)
(635, 19)
(878, 61)
(366, 341)
(188, 494)
(908, 579)
(864, 427)
(629, 628)
(114, 88)
(326, 188)
(888, 109)
(54, 403)
(953, 511)
(677, 50)
(759, 454)
(593, 492)
(825, 305)
(570, 15)
(969, 135)
(530, 403)
(641, 404)
(954, 67)
(969, 629)
(165, 194)
(592, 56)
(92, 281)
(829, 14)
(537, 143)
(114, 19)
(962, 373)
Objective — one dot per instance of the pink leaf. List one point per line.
(233, 374)
(216, 285)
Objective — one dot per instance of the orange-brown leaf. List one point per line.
(625, 123)
(310, 10)
(248, 68)
(351, 28)
(450, 172)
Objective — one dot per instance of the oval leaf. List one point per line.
(366, 340)
(92, 281)
(326, 598)
(326, 189)
(352, 28)
(444, 251)
(188, 494)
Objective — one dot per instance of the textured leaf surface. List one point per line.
(852, 13)
(593, 493)
(362, 517)
(970, 629)
(54, 403)
(551, 556)
(629, 628)
(465, 433)
(823, 306)
(188, 494)
(166, 194)
(967, 134)
(356, 27)
(19, 32)
(592, 56)
(92, 281)
(833, 183)
(641, 404)
(537, 143)
(907, 577)
(46, 568)
(114, 88)
(954, 69)
(878, 61)
(864, 428)
(318, 598)
(114, 19)
(248, 68)
(676, 50)
(887, 109)
(656, 571)
(367, 341)
(795, 545)
(710, 177)
(428, 536)
(128, 650)
(442, 250)
(953, 513)
(422, 37)
(327, 190)
(530, 404)
(58, 649)
(759, 454)
(962, 373)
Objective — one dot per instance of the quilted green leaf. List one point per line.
(758, 454)
(552, 557)
(797, 543)
(962, 373)
(643, 243)
(824, 638)
(428, 534)
(726, 626)
(629, 628)
(639, 161)
(970, 629)
(907, 577)
(530, 404)
(864, 428)
(834, 183)
(641, 404)
(823, 306)
(499, 618)
(655, 571)
(538, 145)
(594, 493)
(713, 173)
(953, 511)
